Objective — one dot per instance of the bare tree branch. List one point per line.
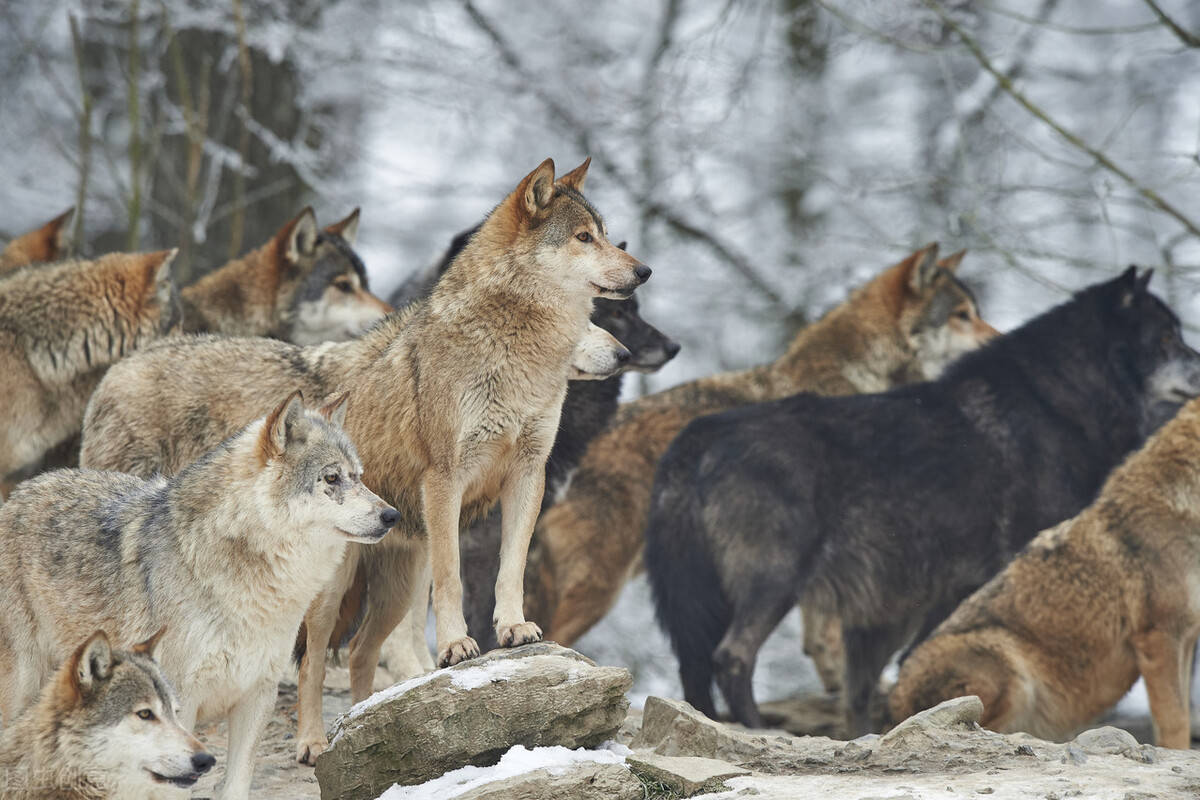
(1189, 39)
(1071, 138)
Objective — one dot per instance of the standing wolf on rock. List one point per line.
(456, 401)
(47, 243)
(227, 555)
(304, 286)
(104, 728)
(61, 326)
(903, 325)
(889, 509)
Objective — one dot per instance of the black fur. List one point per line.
(587, 409)
(889, 509)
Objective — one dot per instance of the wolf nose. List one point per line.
(623, 356)
(389, 517)
(202, 762)
(642, 272)
(672, 348)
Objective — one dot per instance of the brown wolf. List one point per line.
(47, 243)
(104, 728)
(1060, 635)
(304, 286)
(903, 325)
(61, 326)
(458, 402)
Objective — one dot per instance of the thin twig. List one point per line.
(135, 142)
(85, 139)
(238, 225)
(1189, 39)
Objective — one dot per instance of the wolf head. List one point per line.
(555, 229)
(315, 472)
(333, 301)
(47, 243)
(938, 314)
(598, 355)
(1147, 343)
(116, 711)
(649, 347)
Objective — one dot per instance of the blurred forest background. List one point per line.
(763, 157)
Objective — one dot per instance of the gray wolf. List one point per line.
(889, 509)
(456, 403)
(903, 325)
(1057, 638)
(103, 728)
(45, 244)
(305, 286)
(61, 326)
(227, 555)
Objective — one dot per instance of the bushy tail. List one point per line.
(691, 607)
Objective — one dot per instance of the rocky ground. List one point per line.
(947, 759)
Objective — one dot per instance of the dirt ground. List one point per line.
(277, 776)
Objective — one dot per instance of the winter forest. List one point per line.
(763, 157)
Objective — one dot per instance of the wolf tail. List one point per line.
(684, 580)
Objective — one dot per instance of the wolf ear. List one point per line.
(575, 178)
(347, 228)
(1132, 285)
(922, 267)
(58, 231)
(148, 647)
(335, 410)
(1143, 283)
(622, 245)
(536, 190)
(301, 236)
(951, 262)
(158, 274)
(280, 427)
(91, 663)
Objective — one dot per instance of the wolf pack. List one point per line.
(205, 484)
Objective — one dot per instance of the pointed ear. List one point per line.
(59, 231)
(158, 274)
(335, 410)
(536, 190)
(922, 267)
(91, 663)
(1143, 283)
(280, 426)
(148, 647)
(622, 245)
(1127, 287)
(575, 178)
(301, 235)
(347, 228)
(950, 263)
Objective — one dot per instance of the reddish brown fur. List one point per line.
(47, 243)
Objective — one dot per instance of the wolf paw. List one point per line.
(519, 634)
(458, 651)
(308, 750)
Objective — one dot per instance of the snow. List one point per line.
(517, 761)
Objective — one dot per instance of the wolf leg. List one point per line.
(520, 501)
(390, 598)
(441, 501)
(867, 652)
(247, 719)
(734, 659)
(319, 623)
(823, 644)
(1162, 658)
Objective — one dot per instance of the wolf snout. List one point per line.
(672, 348)
(642, 273)
(202, 762)
(389, 517)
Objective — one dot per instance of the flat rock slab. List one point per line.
(538, 695)
(582, 782)
(686, 775)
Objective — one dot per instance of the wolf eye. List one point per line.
(331, 478)
(344, 285)
(583, 236)
(964, 315)
(146, 714)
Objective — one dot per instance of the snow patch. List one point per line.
(517, 761)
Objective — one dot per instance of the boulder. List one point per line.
(471, 714)
(930, 726)
(686, 776)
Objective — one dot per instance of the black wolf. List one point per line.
(889, 509)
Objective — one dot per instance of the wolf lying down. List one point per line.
(227, 555)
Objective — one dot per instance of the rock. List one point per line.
(1114, 741)
(930, 726)
(686, 775)
(581, 782)
(471, 714)
(675, 728)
